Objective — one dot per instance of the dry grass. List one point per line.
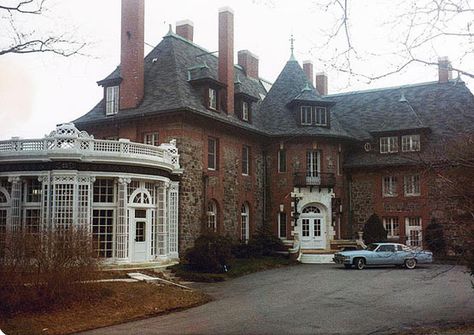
(120, 302)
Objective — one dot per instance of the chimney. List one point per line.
(444, 70)
(249, 63)
(185, 29)
(322, 83)
(308, 69)
(226, 56)
(132, 53)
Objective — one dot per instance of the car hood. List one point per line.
(355, 252)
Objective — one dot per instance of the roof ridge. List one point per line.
(374, 90)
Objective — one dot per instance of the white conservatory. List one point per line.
(125, 193)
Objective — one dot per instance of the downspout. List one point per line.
(349, 215)
(205, 181)
(264, 182)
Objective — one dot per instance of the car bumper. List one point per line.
(339, 260)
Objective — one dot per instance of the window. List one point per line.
(389, 186)
(386, 248)
(32, 220)
(388, 144)
(212, 98)
(305, 227)
(140, 231)
(102, 232)
(103, 191)
(282, 225)
(33, 190)
(212, 216)
(212, 153)
(412, 185)
(244, 222)
(281, 160)
(413, 230)
(111, 100)
(312, 162)
(391, 226)
(151, 139)
(245, 160)
(320, 116)
(306, 115)
(312, 114)
(245, 110)
(410, 143)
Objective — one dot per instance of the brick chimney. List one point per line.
(132, 53)
(444, 70)
(322, 83)
(185, 29)
(226, 56)
(249, 63)
(308, 69)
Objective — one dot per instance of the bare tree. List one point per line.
(21, 40)
(416, 30)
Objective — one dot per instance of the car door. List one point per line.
(385, 254)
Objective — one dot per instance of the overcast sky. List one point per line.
(38, 91)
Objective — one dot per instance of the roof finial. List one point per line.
(292, 47)
(170, 30)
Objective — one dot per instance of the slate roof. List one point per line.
(278, 119)
(441, 110)
(167, 87)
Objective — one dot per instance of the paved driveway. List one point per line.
(321, 299)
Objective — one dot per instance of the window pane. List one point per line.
(245, 159)
(282, 224)
(212, 154)
(281, 161)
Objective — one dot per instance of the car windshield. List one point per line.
(372, 246)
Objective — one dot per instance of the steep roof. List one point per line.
(279, 119)
(167, 87)
(444, 109)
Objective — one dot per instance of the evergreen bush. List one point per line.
(434, 238)
(211, 253)
(374, 230)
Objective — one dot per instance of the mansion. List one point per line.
(185, 141)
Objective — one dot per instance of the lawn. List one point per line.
(119, 302)
(239, 267)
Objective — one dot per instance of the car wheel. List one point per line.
(410, 263)
(359, 263)
(348, 266)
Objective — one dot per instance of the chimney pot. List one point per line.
(249, 62)
(185, 29)
(132, 65)
(308, 69)
(445, 72)
(322, 83)
(226, 56)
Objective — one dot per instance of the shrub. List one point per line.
(374, 230)
(264, 243)
(434, 238)
(211, 253)
(46, 269)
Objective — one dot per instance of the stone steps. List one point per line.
(317, 258)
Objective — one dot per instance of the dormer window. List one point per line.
(245, 111)
(410, 143)
(111, 100)
(312, 115)
(388, 144)
(212, 98)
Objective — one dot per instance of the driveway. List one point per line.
(321, 299)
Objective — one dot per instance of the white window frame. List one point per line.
(282, 234)
(411, 143)
(212, 216)
(281, 153)
(245, 111)
(320, 116)
(151, 138)
(244, 222)
(245, 160)
(392, 226)
(306, 115)
(389, 186)
(212, 154)
(212, 96)
(412, 185)
(111, 100)
(388, 144)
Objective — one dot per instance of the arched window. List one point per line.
(142, 197)
(244, 222)
(311, 209)
(212, 216)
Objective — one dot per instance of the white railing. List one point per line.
(68, 139)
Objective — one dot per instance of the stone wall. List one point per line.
(362, 193)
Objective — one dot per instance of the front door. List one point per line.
(413, 231)
(141, 235)
(313, 235)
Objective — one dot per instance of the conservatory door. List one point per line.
(141, 235)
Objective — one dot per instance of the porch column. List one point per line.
(15, 203)
(121, 233)
(161, 231)
(173, 219)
